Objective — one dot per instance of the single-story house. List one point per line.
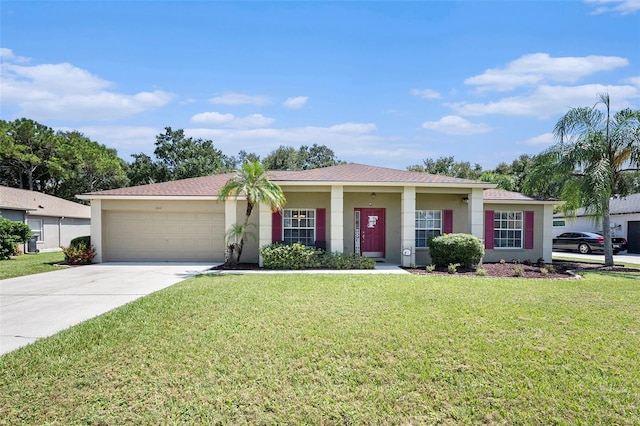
(624, 214)
(379, 212)
(54, 221)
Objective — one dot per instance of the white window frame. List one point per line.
(37, 231)
(430, 223)
(301, 220)
(508, 229)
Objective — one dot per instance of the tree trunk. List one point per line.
(606, 233)
(240, 247)
(246, 223)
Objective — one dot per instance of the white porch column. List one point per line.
(96, 229)
(408, 225)
(336, 232)
(476, 213)
(264, 227)
(547, 233)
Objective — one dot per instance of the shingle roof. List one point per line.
(200, 186)
(39, 204)
(502, 195)
(348, 173)
(362, 173)
(624, 205)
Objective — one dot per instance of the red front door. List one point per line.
(369, 227)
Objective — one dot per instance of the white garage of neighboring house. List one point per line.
(624, 216)
(351, 208)
(53, 221)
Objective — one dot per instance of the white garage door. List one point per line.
(152, 236)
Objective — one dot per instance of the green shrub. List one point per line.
(79, 254)
(297, 256)
(464, 249)
(452, 268)
(11, 234)
(86, 240)
(353, 261)
(481, 272)
(294, 256)
(518, 271)
(430, 268)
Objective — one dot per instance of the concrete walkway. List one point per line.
(36, 306)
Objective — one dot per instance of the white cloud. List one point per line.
(239, 99)
(296, 103)
(456, 125)
(214, 118)
(543, 140)
(426, 93)
(253, 120)
(634, 80)
(7, 55)
(622, 7)
(217, 119)
(353, 128)
(350, 141)
(547, 101)
(126, 139)
(65, 92)
(539, 68)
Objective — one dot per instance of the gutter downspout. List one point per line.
(60, 231)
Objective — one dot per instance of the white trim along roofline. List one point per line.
(155, 197)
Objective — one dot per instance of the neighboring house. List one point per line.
(54, 221)
(383, 213)
(625, 221)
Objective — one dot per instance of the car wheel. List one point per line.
(584, 248)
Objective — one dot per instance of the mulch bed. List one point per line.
(237, 267)
(562, 269)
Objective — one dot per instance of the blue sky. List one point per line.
(381, 83)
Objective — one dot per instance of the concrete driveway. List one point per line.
(617, 258)
(41, 305)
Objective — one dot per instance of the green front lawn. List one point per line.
(343, 349)
(28, 264)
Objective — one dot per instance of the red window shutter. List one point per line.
(447, 225)
(488, 229)
(276, 227)
(321, 224)
(528, 229)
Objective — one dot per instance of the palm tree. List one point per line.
(252, 181)
(594, 151)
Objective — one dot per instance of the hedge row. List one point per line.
(298, 256)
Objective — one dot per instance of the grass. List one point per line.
(28, 264)
(349, 349)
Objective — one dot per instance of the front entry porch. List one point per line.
(378, 222)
